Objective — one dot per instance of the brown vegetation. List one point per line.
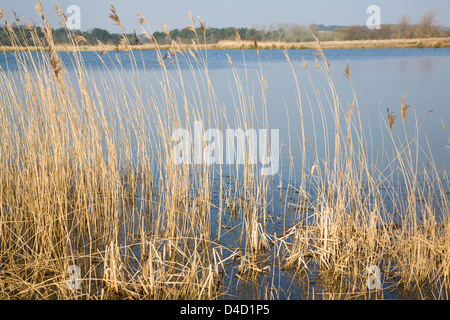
(86, 180)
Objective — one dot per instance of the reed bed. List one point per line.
(87, 180)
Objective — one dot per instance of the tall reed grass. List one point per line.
(86, 179)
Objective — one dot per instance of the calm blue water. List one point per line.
(217, 59)
(380, 78)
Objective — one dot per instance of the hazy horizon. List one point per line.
(174, 14)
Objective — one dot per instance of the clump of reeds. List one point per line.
(352, 226)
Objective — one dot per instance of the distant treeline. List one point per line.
(426, 28)
(288, 33)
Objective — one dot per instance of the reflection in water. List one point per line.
(423, 68)
(426, 67)
(404, 66)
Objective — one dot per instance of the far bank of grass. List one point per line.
(232, 45)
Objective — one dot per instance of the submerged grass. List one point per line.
(86, 179)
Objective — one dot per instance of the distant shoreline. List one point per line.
(233, 45)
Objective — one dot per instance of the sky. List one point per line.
(234, 13)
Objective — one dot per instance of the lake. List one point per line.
(380, 78)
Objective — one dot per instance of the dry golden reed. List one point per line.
(404, 108)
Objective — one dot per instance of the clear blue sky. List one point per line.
(238, 13)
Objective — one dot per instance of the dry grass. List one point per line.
(86, 179)
(349, 44)
(234, 45)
